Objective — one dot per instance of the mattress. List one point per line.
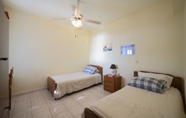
(131, 102)
(69, 83)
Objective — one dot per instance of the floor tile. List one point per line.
(70, 104)
(47, 94)
(35, 97)
(36, 93)
(80, 98)
(41, 104)
(43, 114)
(57, 109)
(22, 114)
(22, 107)
(94, 99)
(24, 96)
(53, 103)
(22, 101)
(38, 102)
(67, 98)
(64, 114)
(76, 110)
(13, 100)
(39, 108)
(86, 103)
(79, 116)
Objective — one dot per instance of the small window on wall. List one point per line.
(128, 49)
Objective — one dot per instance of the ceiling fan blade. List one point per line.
(61, 18)
(92, 21)
(77, 18)
(76, 9)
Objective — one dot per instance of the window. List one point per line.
(128, 49)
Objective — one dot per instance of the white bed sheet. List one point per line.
(131, 102)
(68, 83)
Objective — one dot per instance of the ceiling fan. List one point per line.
(77, 18)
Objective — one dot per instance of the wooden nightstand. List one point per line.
(111, 83)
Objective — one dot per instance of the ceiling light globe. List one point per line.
(77, 23)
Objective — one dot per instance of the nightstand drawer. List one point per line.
(109, 84)
(108, 88)
(112, 83)
(108, 80)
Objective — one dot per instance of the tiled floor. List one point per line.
(41, 104)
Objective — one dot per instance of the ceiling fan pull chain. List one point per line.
(75, 33)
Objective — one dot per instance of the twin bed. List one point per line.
(148, 95)
(63, 84)
(135, 102)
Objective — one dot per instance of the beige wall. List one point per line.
(41, 47)
(157, 33)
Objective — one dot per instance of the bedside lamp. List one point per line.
(113, 67)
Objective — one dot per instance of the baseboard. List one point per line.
(20, 93)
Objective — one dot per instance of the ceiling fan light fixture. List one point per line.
(77, 23)
(77, 18)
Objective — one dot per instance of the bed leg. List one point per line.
(90, 114)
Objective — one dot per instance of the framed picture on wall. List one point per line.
(107, 47)
(128, 49)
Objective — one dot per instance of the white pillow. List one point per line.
(167, 78)
(96, 71)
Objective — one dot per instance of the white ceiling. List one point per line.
(104, 11)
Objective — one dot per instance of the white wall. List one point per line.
(157, 33)
(40, 47)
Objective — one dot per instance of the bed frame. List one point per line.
(177, 83)
(52, 85)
